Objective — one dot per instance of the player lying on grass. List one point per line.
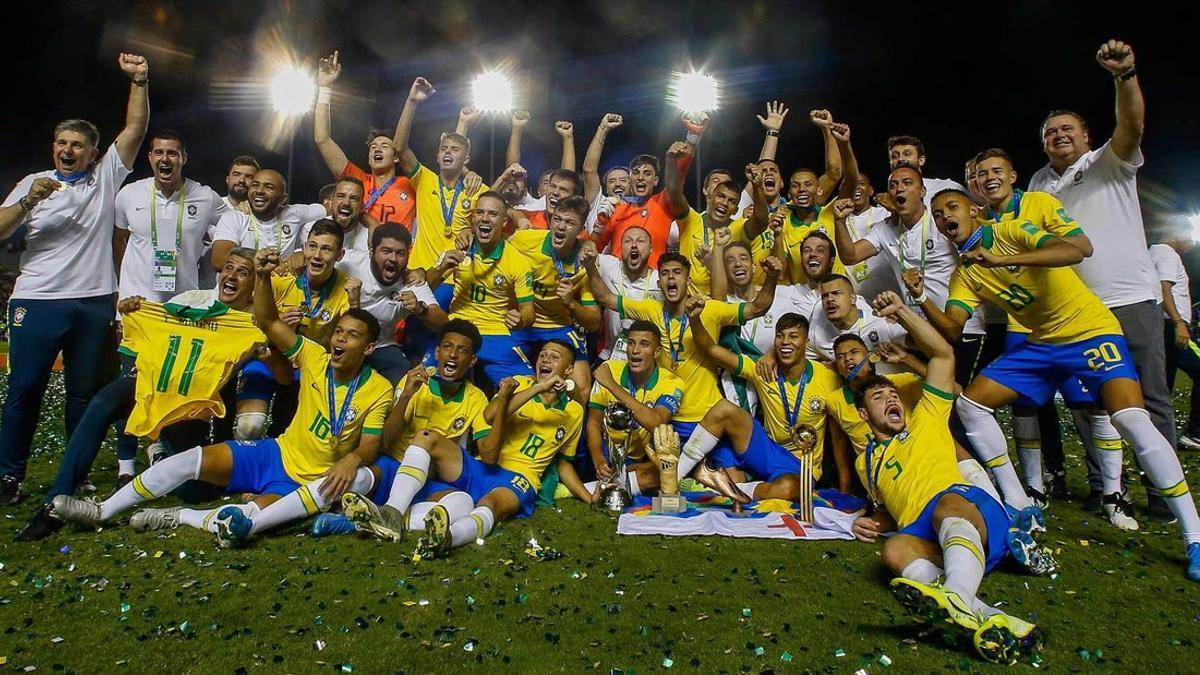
(334, 436)
(947, 528)
(533, 420)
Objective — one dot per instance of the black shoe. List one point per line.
(1040, 499)
(42, 525)
(10, 490)
(1058, 486)
(1158, 511)
(1094, 502)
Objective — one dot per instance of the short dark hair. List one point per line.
(728, 183)
(360, 314)
(168, 135)
(492, 194)
(79, 126)
(644, 326)
(905, 164)
(576, 204)
(873, 382)
(992, 153)
(376, 132)
(350, 179)
(619, 167)
(817, 234)
(791, 320)
(837, 277)
(848, 337)
(951, 190)
(326, 191)
(713, 172)
(675, 256)
(570, 175)
(906, 140)
(570, 348)
(244, 160)
(646, 160)
(464, 328)
(328, 226)
(1056, 113)
(737, 243)
(390, 230)
(804, 169)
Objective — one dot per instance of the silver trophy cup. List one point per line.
(614, 495)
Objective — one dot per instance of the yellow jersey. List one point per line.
(538, 431)
(184, 357)
(841, 408)
(1043, 210)
(695, 233)
(547, 269)
(451, 416)
(487, 286)
(442, 212)
(805, 400)
(324, 306)
(311, 444)
(1052, 301)
(662, 389)
(679, 354)
(794, 232)
(904, 473)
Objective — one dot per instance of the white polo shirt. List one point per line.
(201, 210)
(279, 232)
(872, 329)
(383, 302)
(69, 239)
(357, 239)
(612, 271)
(936, 185)
(788, 300)
(1100, 192)
(1169, 267)
(874, 275)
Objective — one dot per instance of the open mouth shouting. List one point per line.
(901, 199)
(166, 171)
(635, 256)
(721, 212)
(803, 200)
(992, 186)
(770, 184)
(672, 290)
(259, 201)
(69, 162)
(812, 266)
(893, 413)
(344, 213)
(741, 275)
(447, 159)
(336, 352)
(951, 228)
(316, 267)
(229, 289)
(449, 369)
(558, 238)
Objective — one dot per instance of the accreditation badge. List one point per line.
(164, 271)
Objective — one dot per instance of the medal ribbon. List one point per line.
(338, 420)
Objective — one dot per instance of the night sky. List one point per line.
(960, 81)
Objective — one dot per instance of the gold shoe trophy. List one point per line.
(804, 439)
(613, 492)
(666, 455)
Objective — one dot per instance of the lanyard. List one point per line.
(338, 420)
(448, 211)
(683, 322)
(924, 249)
(278, 230)
(378, 192)
(314, 310)
(873, 477)
(154, 219)
(793, 414)
(855, 370)
(1016, 207)
(71, 178)
(704, 227)
(972, 240)
(558, 263)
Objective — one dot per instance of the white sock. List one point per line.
(1109, 453)
(205, 519)
(921, 571)
(963, 556)
(154, 482)
(974, 473)
(412, 474)
(476, 525)
(1161, 464)
(126, 467)
(1092, 459)
(306, 501)
(989, 442)
(749, 487)
(416, 515)
(1029, 448)
(635, 488)
(458, 504)
(697, 446)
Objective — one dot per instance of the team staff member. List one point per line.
(161, 225)
(69, 214)
(267, 221)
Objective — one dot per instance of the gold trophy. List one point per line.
(804, 440)
(613, 492)
(665, 453)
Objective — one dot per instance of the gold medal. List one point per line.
(804, 439)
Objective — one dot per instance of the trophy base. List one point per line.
(668, 504)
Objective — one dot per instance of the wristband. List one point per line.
(1127, 75)
(772, 132)
(920, 299)
(422, 307)
(24, 204)
(140, 83)
(324, 94)
(694, 139)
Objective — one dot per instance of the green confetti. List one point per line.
(745, 611)
(667, 663)
(786, 657)
(839, 652)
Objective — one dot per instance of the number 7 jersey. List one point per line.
(184, 357)
(1053, 302)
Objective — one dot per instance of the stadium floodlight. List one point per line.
(492, 92)
(1194, 221)
(292, 91)
(694, 92)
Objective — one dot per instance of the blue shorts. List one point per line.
(1036, 369)
(477, 479)
(764, 459)
(258, 468)
(500, 356)
(256, 382)
(995, 519)
(532, 340)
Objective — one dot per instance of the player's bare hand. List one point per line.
(984, 258)
(766, 367)
(887, 304)
(886, 200)
(754, 176)
(292, 316)
(694, 306)
(604, 377)
(130, 305)
(604, 471)
(1115, 56)
(891, 352)
(564, 129)
(421, 90)
(507, 386)
(840, 132)
(328, 70)
(611, 121)
(462, 242)
(721, 237)
(678, 150)
(40, 189)
(773, 267)
(822, 118)
(520, 119)
(914, 281)
(588, 254)
(776, 114)
(467, 115)
(1182, 335)
(512, 319)
(843, 208)
(134, 65)
(866, 529)
(454, 257)
(472, 182)
(410, 303)
(416, 378)
(339, 476)
(266, 260)
(354, 290)
(567, 288)
(776, 220)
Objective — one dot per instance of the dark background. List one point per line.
(960, 80)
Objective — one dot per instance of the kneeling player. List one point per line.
(532, 421)
(324, 451)
(947, 527)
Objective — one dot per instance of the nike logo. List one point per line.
(139, 208)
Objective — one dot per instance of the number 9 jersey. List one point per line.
(184, 356)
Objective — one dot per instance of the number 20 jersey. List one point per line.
(183, 362)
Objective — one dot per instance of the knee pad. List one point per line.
(249, 426)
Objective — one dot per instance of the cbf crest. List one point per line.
(459, 423)
(498, 281)
(559, 434)
(191, 210)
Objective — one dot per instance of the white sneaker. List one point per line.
(1189, 442)
(148, 520)
(1119, 512)
(75, 510)
(155, 452)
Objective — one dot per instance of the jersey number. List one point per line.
(189, 368)
(1017, 296)
(478, 293)
(894, 465)
(1105, 353)
(532, 444)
